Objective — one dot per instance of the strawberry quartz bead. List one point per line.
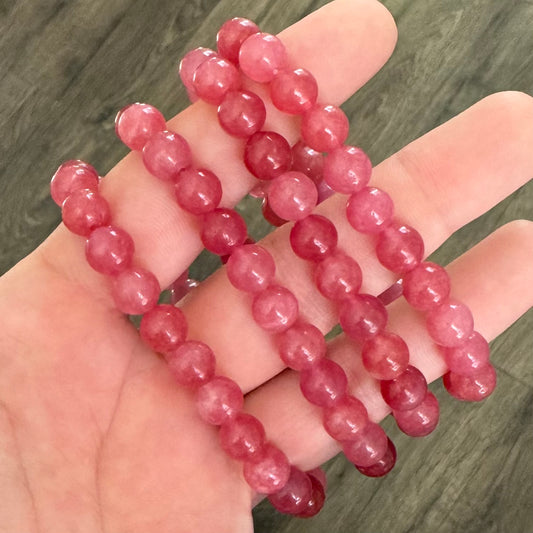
(275, 309)
(223, 230)
(136, 123)
(165, 154)
(250, 268)
(370, 210)
(324, 127)
(367, 446)
(301, 346)
(400, 248)
(324, 383)
(421, 420)
(406, 391)
(135, 291)
(214, 78)
(85, 210)
(269, 472)
(262, 56)
(385, 355)
(345, 419)
(267, 155)
(347, 169)
(72, 176)
(163, 328)
(292, 196)
(231, 36)
(294, 91)
(318, 497)
(242, 437)
(426, 286)
(472, 388)
(218, 400)
(308, 161)
(383, 466)
(198, 190)
(362, 316)
(450, 324)
(192, 364)
(109, 250)
(190, 62)
(241, 113)
(270, 216)
(338, 276)
(313, 238)
(293, 498)
(466, 359)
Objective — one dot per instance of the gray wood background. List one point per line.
(66, 67)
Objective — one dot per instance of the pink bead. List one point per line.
(251, 268)
(323, 383)
(293, 498)
(347, 169)
(314, 238)
(421, 420)
(242, 437)
(450, 324)
(292, 195)
(262, 56)
(109, 250)
(338, 276)
(370, 210)
(198, 190)
(85, 210)
(165, 154)
(308, 161)
(400, 248)
(163, 328)
(218, 400)
(190, 62)
(367, 447)
(241, 113)
(406, 391)
(345, 419)
(270, 216)
(223, 230)
(192, 364)
(426, 286)
(72, 176)
(136, 123)
(318, 496)
(214, 78)
(362, 316)
(269, 473)
(383, 466)
(294, 91)
(473, 388)
(267, 155)
(324, 191)
(275, 309)
(385, 355)
(466, 359)
(135, 291)
(301, 346)
(324, 127)
(231, 36)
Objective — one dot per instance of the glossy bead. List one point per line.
(165, 154)
(421, 420)
(231, 36)
(345, 419)
(262, 56)
(270, 216)
(338, 276)
(466, 359)
(472, 388)
(294, 91)
(269, 473)
(250, 268)
(301, 346)
(313, 238)
(406, 391)
(292, 195)
(400, 248)
(370, 210)
(218, 400)
(367, 447)
(324, 191)
(163, 328)
(308, 161)
(383, 466)
(136, 123)
(72, 176)
(324, 127)
(241, 113)
(109, 250)
(192, 364)
(198, 190)
(190, 62)
(275, 309)
(318, 496)
(85, 210)
(242, 436)
(223, 230)
(293, 498)
(450, 324)
(347, 169)
(267, 155)
(426, 286)
(323, 383)
(135, 291)
(362, 316)
(214, 78)
(385, 355)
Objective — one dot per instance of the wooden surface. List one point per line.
(66, 68)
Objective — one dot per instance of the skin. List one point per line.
(94, 434)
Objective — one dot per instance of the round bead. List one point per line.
(294, 497)
(347, 169)
(406, 391)
(190, 62)
(109, 250)
(292, 195)
(421, 420)
(231, 36)
(223, 230)
(383, 466)
(362, 316)
(294, 91)
(308, 161)
(165, 154)
(345, 419)
(136, 123)
(218, 400)
(367, 447)
(385, 355)
(250, 268)
(370, 210)
(135, 291)
(400, 248)
(450, 324)
(242, 436)
(318, 496)
(241, 113)
(267, 155)
(214, 78)
(466, 359)
(163, 328)
(324, 383)
(324, 127)
(72, 176)
(85, 210)
(269, 473)
(314, 238)
(198, 190)
(262, 56)
(338, 276)
(301, 346)
(275, 309)
(426, 286)
(270, 216)
(472, 388)
(192, 364)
